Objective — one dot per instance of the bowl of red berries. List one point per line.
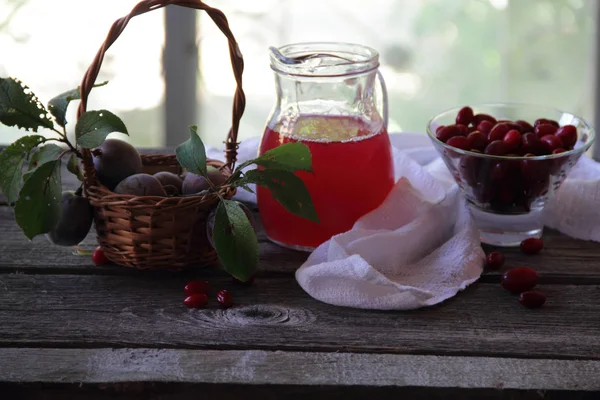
(508, 160)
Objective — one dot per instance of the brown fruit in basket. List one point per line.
(114, 161)
(193, 183)
(169, 179)
(76, 215)
(141, 185)
(215, 176)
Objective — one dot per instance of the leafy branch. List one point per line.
(36, 193)
(234, 238)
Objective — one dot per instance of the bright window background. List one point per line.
(48, 44)
(435, 54)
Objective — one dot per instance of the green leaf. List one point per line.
(191, 153)
(289, 190)
(235, 240)
(93, 127)
(74, 168)
(19, 106)
(58, 105)
(38, 209)
(49, 152)
(290, 157)
(11, 165)
(246, 187)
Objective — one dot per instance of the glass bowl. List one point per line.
(506, 195)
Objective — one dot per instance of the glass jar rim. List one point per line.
(323, 59)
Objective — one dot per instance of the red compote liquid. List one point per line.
(352, 174)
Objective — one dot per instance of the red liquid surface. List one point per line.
(349, 178)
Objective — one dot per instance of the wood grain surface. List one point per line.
(275, 314)
(70, 329)
(259, 367)
(564, 260)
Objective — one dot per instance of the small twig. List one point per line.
(65, 140)
(62, 135)
(63, 153)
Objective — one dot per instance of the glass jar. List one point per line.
(328, 98)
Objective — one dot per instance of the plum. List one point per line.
(196, 183)
(215, 176)
(114, 161)
(141, 185)
(75, 220)
(193, 184)
(169, 179)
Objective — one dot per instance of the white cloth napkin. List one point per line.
(420, 247)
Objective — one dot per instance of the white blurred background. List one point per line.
(435, 54)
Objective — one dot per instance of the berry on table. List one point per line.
(532, 246)
(224, 298)
(196, 287)
(495, 260)
(196, 300)
(98, 256)
(532, 299)
(518, 280)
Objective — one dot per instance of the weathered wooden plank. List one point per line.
(184, 391)
(259, 367)
(564, 260)
(17, 253)
(275, 314)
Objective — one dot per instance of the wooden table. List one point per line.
(69, 329)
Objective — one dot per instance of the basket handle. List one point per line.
(237, 63)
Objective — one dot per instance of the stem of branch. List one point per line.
(65, 140)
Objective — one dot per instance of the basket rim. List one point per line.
(100, 195)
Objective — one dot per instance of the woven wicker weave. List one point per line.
(159, 232)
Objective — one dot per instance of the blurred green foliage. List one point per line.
(471, 51)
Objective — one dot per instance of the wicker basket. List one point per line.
(159, 232)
